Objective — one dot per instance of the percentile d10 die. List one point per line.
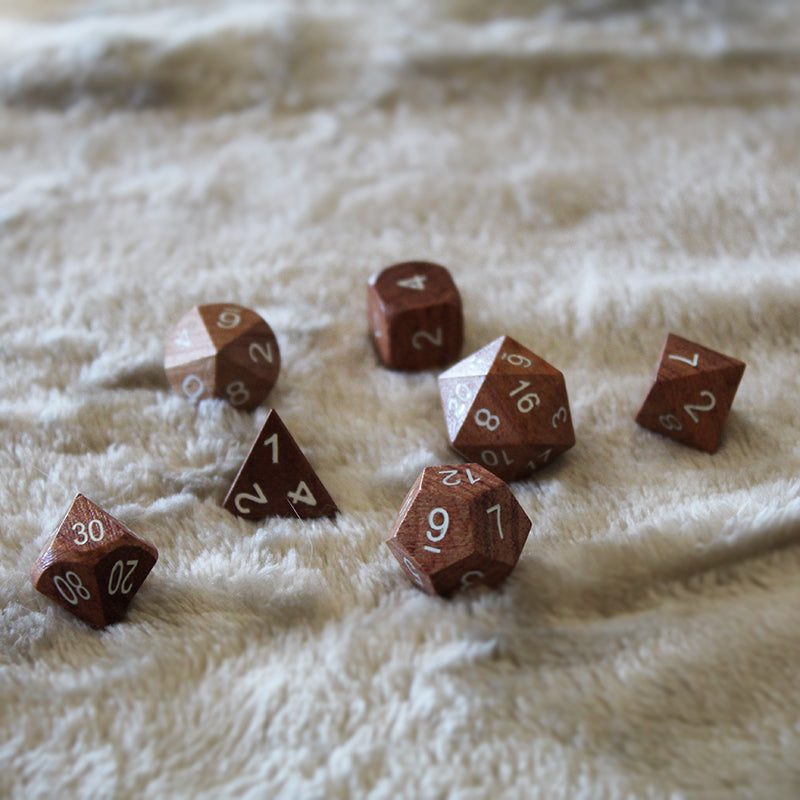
(93, 565)
(459, 526)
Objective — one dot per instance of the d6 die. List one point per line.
(223, 350)
(506, 408)
(691, 394)
(459, 526)
(415, 316)
(93, 565)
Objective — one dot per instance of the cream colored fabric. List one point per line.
(595, 174)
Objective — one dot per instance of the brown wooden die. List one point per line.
(93, 565)
(415, 316)
(223, 350)
(459, 526)
(276, 479)
(691, 394)
(506, 408)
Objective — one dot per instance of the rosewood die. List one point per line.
(459, 526)
(93, 565)
(276, 479)
(691, 394)
(507, 409)
(415, 316)
(223, 350)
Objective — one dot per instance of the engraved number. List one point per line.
(527, 402)
(183, 338)
(263, 351)
(495, 509)
(259, 497)
(691, 362)
(302, 494)
(193, 387)
(118, 580)
(416, 282)
(272, 441)
(485, 419)
(95, 532)
(452, 480)
(670, 422)
(516, 360)
(560, 416)
(412, 569)
(237, 393)
(491, 459)
(440, 527)
(71, 589)
(229, 318)
(690, 408)
(436, 339)
(471, 578)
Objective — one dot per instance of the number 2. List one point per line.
(690, 408)
(260, 497)
(436, 339)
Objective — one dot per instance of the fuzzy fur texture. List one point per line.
(595, 174)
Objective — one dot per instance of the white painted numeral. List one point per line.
(495, 509)
(119, 579)
(259, 497)
(453, 480)
(238, 393)
(183, 338)
(95, 532)
(691, 362)
(229, 318)
(527, 402)
(193, 387)
(457, 405)
(302, 494)
(71, 589)
(670, 422)
(516, 360)
(545, 457)
(416, 282)
(560, 416)
(436, 339)
(471, 578)
(485, 419)
(413, 570)
(272, 442)
(690, 408)
(258, 351)
(440, 527)
(491, 459)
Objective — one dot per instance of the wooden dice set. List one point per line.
(505, 409)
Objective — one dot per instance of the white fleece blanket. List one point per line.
(595, 174)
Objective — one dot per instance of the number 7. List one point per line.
(496, 509)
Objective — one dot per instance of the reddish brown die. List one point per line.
(276, 479)
(506, 408)
(93, 565)
(691, 394)
(223, 350)
(459, 526)
(415, 316)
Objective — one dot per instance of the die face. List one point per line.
(459, 525)
(79, 567)
(223, 350)
(415, 316)
(691, 396)
(513, 415)
(277, 480)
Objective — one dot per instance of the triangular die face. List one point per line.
(276, 479)
(119, 576)
(475, 365)
(458, 396)
(514, 358)
(254, 350)
(86, 527)
(225, 322)
(189, 341)
(681, 358)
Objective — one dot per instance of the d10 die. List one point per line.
(691, 394)
(276, 479)
(93, 565)
(507, 409)
(223, 350)
(415, 316)
(459, 526)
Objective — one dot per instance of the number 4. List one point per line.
(302, 494)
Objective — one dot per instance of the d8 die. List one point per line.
(93, 565)
(506, 408)
(459, 526)
(691, 394)
(223, 350)
(415, 316)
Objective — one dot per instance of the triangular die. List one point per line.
(276, 479)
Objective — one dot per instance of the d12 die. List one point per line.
(415, 316)
(691, 394)
(459, 526)
(223, 350)
(93, 565)
(507, 409)
(276, 479)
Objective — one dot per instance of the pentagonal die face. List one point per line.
(459, 526)
(93, 566)
(691, 395)
(507, 409)
(223, 350)
(415, 316)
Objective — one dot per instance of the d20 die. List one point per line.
(691, 394)
(415, 316)
(276, 479)
(506, 408)
(93, 565)
(459, 526)
(223, 350)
